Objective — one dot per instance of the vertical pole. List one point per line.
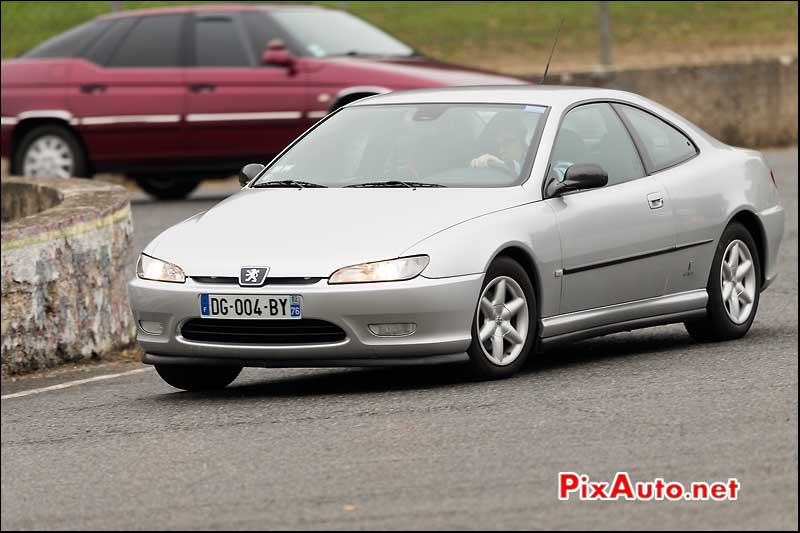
(116, 6)
(605, 34)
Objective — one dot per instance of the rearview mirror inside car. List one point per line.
(249, 172)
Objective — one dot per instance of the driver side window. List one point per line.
(593, 133)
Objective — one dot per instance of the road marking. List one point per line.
(73, 383)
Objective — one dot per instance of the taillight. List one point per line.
(772, 175)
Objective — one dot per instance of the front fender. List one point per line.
(471, 246)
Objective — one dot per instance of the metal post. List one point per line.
(605, 34)
(116, 6)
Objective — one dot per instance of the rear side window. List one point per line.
(70, 43)
(104, 47)
(218, 43)
(155, 41)
(664, 145)
(593, 133)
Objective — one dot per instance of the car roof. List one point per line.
(206, 8)
(545, 95)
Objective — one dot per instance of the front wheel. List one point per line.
(198, 378)
(734, 288)
(504, 327)
(167, 187)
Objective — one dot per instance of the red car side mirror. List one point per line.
(278, 55)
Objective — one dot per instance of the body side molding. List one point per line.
(661, 306)
(582, 268)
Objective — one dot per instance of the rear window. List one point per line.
(664, 145)
(155, 41)
(71, 43)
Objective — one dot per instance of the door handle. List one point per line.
(202, 87)
(655, 200)
(93, 88)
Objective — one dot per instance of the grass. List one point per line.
(511, 36)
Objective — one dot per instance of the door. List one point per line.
(696, 203)
(128, 98)
(237, 108)
(612, 238)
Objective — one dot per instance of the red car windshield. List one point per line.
(353, 36)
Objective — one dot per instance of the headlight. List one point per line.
(391, 270)
(158, 270)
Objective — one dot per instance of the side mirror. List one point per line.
(278, 55)
(578, 177)
(249, 172)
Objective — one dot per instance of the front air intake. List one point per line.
(266, 332)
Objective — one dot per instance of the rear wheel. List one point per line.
(198, 378)
(49, 151)
(734, 288)
(167, 187)
(504, 327)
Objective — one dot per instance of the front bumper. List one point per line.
(443, 310)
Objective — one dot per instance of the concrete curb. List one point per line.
(65, 248)
(750, 104)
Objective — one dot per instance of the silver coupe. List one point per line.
(475, 224)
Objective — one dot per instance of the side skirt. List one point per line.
(623, 317)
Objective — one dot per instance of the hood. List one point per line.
(414, 72)
(314, 232)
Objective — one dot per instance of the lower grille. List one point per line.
(297, 331)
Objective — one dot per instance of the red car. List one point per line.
(175, 95)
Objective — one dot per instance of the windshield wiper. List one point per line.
(288, 183)
(397, 183)
(352, 53)
(359, 53)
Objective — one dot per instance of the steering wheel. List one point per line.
(503, 167)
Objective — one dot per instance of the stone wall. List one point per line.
(25, 199)
(752, 104)
(65, 268)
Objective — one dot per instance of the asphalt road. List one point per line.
(422, 448)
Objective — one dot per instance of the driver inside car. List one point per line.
(506, 134)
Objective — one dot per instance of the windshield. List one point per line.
(450, 145)
(334, 33)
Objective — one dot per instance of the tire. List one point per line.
(719, 323)
(198, 378)
(60, 152)
(167, 187)
(486, 361)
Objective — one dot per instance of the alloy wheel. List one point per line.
(738, 280)
(502, 320)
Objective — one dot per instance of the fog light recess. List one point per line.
(393, 330)
(151, 327)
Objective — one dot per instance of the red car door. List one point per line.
(236, 107)
(128, 99)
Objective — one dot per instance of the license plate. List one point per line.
(263, 306)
